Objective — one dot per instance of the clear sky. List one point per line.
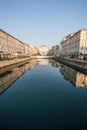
(42, 22)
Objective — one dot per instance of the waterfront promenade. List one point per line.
(6, 64)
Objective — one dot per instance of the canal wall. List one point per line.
(79, 65)
(4, 65)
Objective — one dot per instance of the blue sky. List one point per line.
(42, 22)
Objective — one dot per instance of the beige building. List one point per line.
(30, 50)
(12, 47)
(34, 50)
(75, 45)
(43, 50)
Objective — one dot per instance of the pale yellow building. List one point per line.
(30, 50)
(10, 44)
(75, 45)
(43, 50)
(11, 47)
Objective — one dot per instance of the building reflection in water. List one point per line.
(43, 62)
(54, 63)
(10, 76)
(14, 73)
(78, 79)
(7, 78)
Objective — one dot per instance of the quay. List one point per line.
(79, 65)
(4, 65)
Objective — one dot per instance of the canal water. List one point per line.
(43, 94)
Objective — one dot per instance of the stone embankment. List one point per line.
(4, 65)
(79, 65)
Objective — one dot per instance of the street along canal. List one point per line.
(43, 94)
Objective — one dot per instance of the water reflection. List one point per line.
(78, 79)
(54, 63)
(10, 76)
(15, 72)
(40, 100)
(43, 62)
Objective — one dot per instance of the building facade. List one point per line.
(12, 47)
(73, 45)
(55, 50)
(43, 50)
